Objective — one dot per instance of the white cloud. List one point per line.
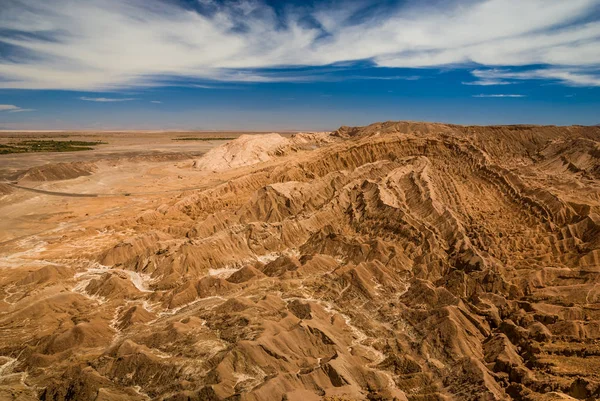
(156, 101)
(8, 107)
(389, 78)
(106, 99)
(571, 76)
(110, 44)
(11, 108)
(21, 110)
(204, 86)
(487, 82)
(500, 95)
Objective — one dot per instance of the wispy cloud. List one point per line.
(21, 110)
(8, 107)
(570, 76)
(388, 78)
(101, 45)
(487, 82)
(500, 95)
(218, 86)
(11, 108)
(106, 99)
(156, 101)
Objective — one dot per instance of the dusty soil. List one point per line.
(128, 165)
(398, 261)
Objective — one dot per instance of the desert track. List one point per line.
(106, 195)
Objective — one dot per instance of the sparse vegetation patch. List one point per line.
(30, 146)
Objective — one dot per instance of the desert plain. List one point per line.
(397, 261)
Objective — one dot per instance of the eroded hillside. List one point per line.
(404, 261)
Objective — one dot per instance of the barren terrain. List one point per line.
(397, 261)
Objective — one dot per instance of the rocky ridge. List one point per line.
(405, 261)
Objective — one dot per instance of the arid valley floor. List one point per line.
(397, 261)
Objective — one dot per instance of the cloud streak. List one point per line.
(11, 108)
(500, 95)
(102, 45)
(106, 99)
(571, 76)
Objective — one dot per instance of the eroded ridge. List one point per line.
(405, 261)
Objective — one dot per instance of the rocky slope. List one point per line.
(57, 171)
(398, 261)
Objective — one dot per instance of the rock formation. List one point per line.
(58, 171)
(398, 261)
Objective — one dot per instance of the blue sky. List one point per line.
(297, 65)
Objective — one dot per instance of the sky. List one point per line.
(296, 65)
